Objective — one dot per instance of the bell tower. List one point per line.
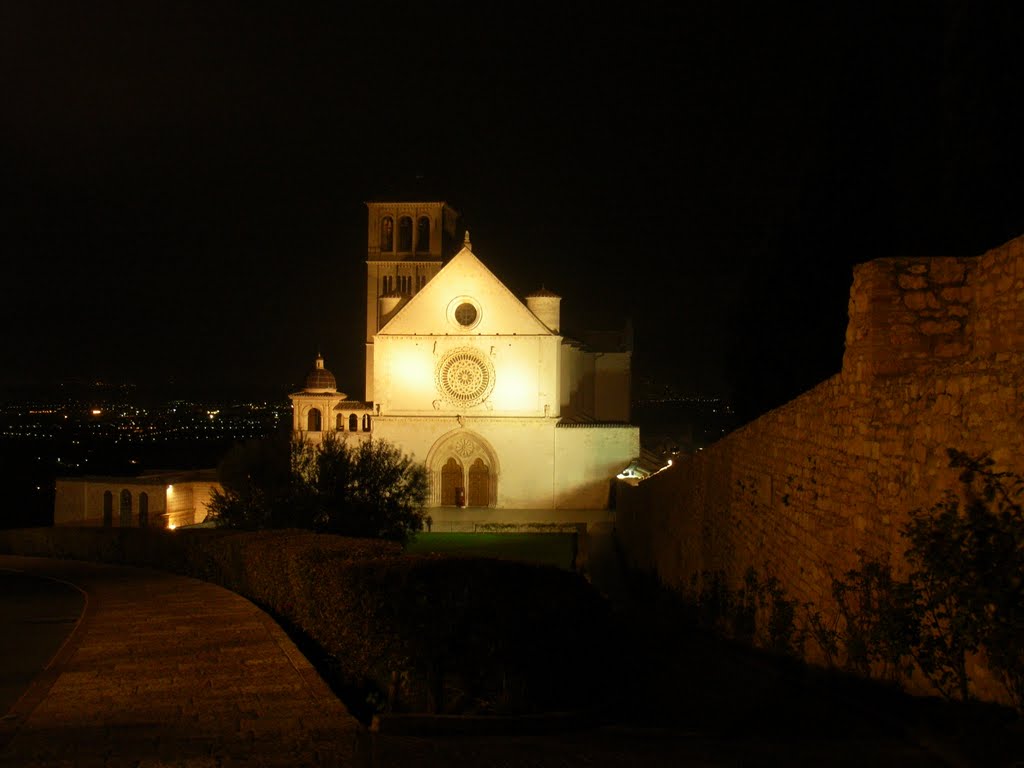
(407, 243)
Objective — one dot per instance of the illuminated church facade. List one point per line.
(504, 411)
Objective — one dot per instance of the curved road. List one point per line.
(37, 614)
(161, 670)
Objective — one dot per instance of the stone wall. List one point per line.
(172, 499)
(934, 360)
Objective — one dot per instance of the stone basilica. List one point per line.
(504, 411)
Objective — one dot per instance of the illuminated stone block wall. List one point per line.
(202, 495)
(934, 360)
(172, 499)
(79, 501)
(587, 457)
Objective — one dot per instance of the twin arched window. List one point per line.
(405, 234)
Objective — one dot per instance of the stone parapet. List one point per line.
(915, 314)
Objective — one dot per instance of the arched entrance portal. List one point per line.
(463, 469)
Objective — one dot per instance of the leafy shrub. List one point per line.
(758, 612)
(964, 594)
(367, 489)
(874, 632)
(965, 589)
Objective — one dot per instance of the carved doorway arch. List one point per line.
(454, 453)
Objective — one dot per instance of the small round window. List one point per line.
(465, 314)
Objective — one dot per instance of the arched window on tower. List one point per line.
(353, 423)
(387, 234)
(313, 421)
(143, 509)
(423, 234)
(405, 234)
(366, 422)
(339, 423)
(126, 508)
(108, 509)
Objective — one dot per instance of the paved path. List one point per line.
(36, 616)
(169, 671)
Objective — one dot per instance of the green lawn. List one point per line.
(555, 549)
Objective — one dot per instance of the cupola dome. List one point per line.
(320, 379)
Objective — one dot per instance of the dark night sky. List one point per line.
(182, 186)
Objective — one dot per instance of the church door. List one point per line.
(451, 478)
(479, 484)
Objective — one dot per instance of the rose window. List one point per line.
(465, 377)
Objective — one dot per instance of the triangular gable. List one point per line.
(429, 312)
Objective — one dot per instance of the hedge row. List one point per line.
(406, 633)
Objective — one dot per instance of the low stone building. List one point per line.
(164, 499)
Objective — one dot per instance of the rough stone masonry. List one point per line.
(934, 360)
